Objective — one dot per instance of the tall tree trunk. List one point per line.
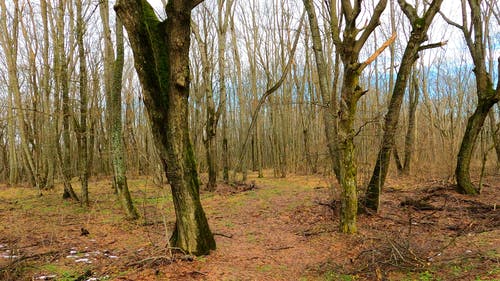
(420, 25)
(62, 88)
(49, 123)
(161, 53)
(222, 24)
(108, 76)
(82, 127)
(119, 165)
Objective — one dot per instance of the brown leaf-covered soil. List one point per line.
(274, 229)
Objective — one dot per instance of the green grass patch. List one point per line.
(333, 276)
(264, 268)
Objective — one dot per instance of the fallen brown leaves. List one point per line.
(272, 229)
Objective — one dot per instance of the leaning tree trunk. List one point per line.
(161, 55)
(418, 35)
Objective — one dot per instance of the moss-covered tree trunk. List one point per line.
(119, 166)
(340, 116)
(161, 55)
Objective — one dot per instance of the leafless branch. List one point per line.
(433, 45)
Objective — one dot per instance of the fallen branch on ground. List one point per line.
(223, 235)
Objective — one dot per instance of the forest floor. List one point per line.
(282, 229)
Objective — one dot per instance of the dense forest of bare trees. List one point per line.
(354, 90)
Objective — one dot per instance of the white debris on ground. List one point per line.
(84, 260)
(8, 254)
(46, 277)
(86, 256)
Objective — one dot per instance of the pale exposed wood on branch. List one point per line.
(379, 51)
(433, 45)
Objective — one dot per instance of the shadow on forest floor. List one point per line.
(269, 229)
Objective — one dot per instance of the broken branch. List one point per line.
(378, 51)
(433, 45)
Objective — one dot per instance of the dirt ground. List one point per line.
(281, 229)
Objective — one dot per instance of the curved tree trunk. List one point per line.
(474, 127)
(474, 34)
(161, 55)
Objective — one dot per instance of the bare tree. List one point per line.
(82, 127)
(339, 122)
(161, 53)
(420, 25)
(487, 95)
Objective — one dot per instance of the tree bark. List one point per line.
(161, 55)
(412, 116)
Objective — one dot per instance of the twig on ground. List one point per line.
(279, 248)
(150, 261)
(223, 235)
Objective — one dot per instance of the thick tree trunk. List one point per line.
(161, 54)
